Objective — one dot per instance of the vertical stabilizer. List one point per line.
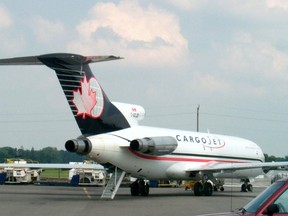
(92, 109)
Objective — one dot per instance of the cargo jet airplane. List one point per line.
(111, 134)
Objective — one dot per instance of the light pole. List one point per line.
(198, 108)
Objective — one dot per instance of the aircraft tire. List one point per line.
(134, 188)
(198, 189)
(250, 187)
(143, 188)
(243, 188)
(208, 189)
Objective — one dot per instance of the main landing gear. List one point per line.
(205, 188)
(207, 185)
(139, 187)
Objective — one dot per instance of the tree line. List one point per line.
(272, 158)
(45, 155)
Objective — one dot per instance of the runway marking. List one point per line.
(87, 193)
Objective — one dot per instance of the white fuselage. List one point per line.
(195, 150)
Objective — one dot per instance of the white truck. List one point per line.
(16, 175)
(93, 177)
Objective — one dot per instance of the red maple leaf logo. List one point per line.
(84, 98)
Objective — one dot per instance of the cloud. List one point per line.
(11, 40)
(254, 56)
(247, 53)
(5, 18)
(256, 67)
(47, 31)
(211, 83)
(143, 35)
(255, 8)
(277, 4)
(184, 4)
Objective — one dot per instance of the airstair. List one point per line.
(113, 184)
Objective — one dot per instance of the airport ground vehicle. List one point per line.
(20, 175)
(89, 176)
(272, 201)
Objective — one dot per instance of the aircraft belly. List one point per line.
(148, 169)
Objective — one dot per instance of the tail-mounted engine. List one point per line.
(154, 145)
(79, 146)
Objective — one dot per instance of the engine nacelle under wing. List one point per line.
(154, 145)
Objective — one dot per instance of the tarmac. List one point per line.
(32, 200)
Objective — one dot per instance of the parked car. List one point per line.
(272, 201)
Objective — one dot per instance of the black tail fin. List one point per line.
(91, 107)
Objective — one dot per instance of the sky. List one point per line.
(230, 57)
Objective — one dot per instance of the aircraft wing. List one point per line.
(53, 166)
(214, 167)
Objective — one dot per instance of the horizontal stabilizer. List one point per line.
(71, 59)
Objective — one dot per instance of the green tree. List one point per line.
(45, 155)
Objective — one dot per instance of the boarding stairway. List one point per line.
(113, 184)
